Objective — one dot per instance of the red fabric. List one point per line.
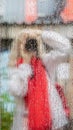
(30, 11)
(39, 109)
(39, 116)
(64, 102)
(19, 61)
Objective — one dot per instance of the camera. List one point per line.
(31, 45)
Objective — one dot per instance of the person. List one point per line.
(40, 103)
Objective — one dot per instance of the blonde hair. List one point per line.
(21, 39)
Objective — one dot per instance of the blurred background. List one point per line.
(12, 21)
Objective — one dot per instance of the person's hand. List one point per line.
(27, 58)
(25, 55)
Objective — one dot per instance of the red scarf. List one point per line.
(39, 116)
(38, 102)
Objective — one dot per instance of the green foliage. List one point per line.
(6, 98)
(6, 116)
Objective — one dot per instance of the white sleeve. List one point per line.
(56, 41)
(18, 80)
(60, 44)
(55, 57)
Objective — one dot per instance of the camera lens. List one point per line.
(31, 45)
